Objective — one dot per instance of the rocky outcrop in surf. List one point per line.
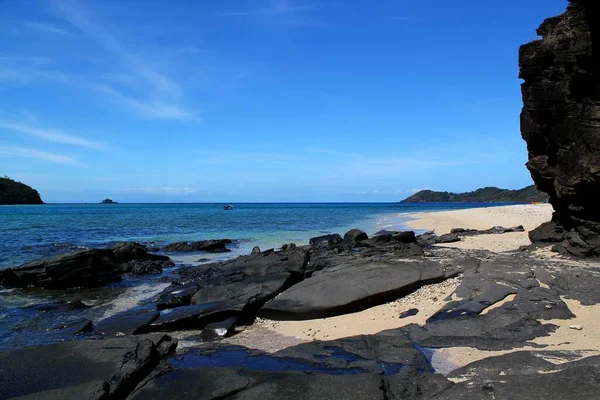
(560, 122)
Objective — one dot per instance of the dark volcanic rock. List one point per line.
(82, 268)
(409, 313)
(133, 321)
(523, 375)
(247, 384)
(355, 235)
(236, 288)
(560, 122)
(90, 369)
(193, 317)
(456, 234)
(248, 282)
(177, 296)
(145, 267)
(353, 287)
(326, 240)
(130, 251)
(211, 246)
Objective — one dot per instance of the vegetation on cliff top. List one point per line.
(13, 192)
(484, 195)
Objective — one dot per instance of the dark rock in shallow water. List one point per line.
(72, 328)
(350, 368)
(559, 122)
(177, 295)
(211, 246)
(83, 268)
(89, 369)
(355, 235)
(326, 240)
(133, 321)
(130, 251)
(149, 267)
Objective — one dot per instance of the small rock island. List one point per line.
(108, 201)
(13, 192)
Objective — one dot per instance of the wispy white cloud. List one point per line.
(277, 7)
(169, 191)
(148, 108)
(47, 28)
(24, 70)
(142, 68)
(15, 151)
(283, 12)
(150, 93)
(50, 135)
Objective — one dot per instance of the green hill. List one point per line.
(484, 195)
(13, 192)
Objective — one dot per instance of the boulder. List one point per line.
(211, 246)
(326, 240)
(193, 317)
(85, 369)
(355, 235)
(133, 321)
(86, 268)
(130, 251)
(235, 288)
(355, 287)
(148, 267)
(559, 122)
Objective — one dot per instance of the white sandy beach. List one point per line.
(528, 215)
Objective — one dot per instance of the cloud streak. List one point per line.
(51, 135)
(155, 96)
(15, 151)
(277, 7)
(169, 191)
(47, 28)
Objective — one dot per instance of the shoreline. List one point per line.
(272, 336)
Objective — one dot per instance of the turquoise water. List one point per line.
(31, 232)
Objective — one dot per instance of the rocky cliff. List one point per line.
(560, 122)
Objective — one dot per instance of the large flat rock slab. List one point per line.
(87, 369)
(354, 288)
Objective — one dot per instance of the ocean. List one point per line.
(31, 232)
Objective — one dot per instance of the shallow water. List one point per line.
(31, 232)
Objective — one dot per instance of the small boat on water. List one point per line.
(228, 207)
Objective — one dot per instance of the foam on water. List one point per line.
(132, 297)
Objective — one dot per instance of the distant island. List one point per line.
(108, 201)
(13, 192)
(484, 195)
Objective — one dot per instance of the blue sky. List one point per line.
(262, 100)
